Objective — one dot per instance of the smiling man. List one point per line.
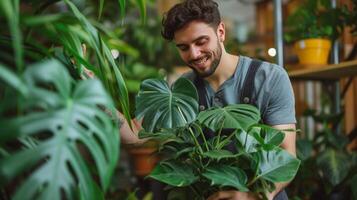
(221, 78)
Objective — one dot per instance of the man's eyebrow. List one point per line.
(195, 40)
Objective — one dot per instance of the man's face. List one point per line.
(200, 47)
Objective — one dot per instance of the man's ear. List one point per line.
(221, 32)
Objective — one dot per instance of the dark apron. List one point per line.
(281, 196)
(246, 97)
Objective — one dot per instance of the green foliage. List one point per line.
(227, 176)
(165, 108)
(276, 165)
(62, 116)
(327, 167)
(69, 30)
(148, 39)
(230, 117)
(57, 140)
(200, 165)
(156, 56)
(165, 171)
(334, 164)
(11, 11)
(314, 19)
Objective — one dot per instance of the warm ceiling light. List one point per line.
(272, 52)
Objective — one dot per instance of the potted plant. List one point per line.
(195, 166)
(328, 167)
(144, 157)
(312, 26)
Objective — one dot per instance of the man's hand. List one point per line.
(130, 135)
(233, 195)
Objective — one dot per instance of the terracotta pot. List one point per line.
(313, 52)
(144, 160)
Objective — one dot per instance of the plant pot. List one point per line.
(144, 160)
(313, 52)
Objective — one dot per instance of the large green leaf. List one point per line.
(224, 175)
(276, 165)
(239, 116)
(268, 137)
(246, 142)
(162, 107)
(12, 80)
(174, 173)
(219, 154)
(110, 76)
(162, 135)
(176, 149)
(334, 164)
(122, 7)
(66, 120)
(142, 7)
(37, 20)
(10, 9)
(101, 5)
(304, 149)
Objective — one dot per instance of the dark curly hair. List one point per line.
(187, 11)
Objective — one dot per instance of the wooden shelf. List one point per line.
(329, 72)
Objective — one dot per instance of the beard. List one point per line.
(216, 55)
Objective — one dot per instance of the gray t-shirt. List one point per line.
(272, 93)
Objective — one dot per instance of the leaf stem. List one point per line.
(191, 132)
(221, 144)
(195, 140)
(219, 134)
(203, 136)
(252, 181)
(245, 139)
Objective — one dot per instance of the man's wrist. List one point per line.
(271, 195)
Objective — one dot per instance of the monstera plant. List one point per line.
(64, 117)
(242, 154)
(57, 140)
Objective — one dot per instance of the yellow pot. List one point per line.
(313, 51)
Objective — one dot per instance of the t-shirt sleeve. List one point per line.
(281, 101)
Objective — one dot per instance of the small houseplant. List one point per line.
(328, 169)
(195, 166)
(312, 26)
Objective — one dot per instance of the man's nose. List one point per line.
(195, 53)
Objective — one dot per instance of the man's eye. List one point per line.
(183, 48)
(201, 42)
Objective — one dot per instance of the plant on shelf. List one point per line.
(195, 166)
(312, 26)
(56, 139)
(328, 169)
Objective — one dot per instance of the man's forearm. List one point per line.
(288, 145)
(278, 187)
